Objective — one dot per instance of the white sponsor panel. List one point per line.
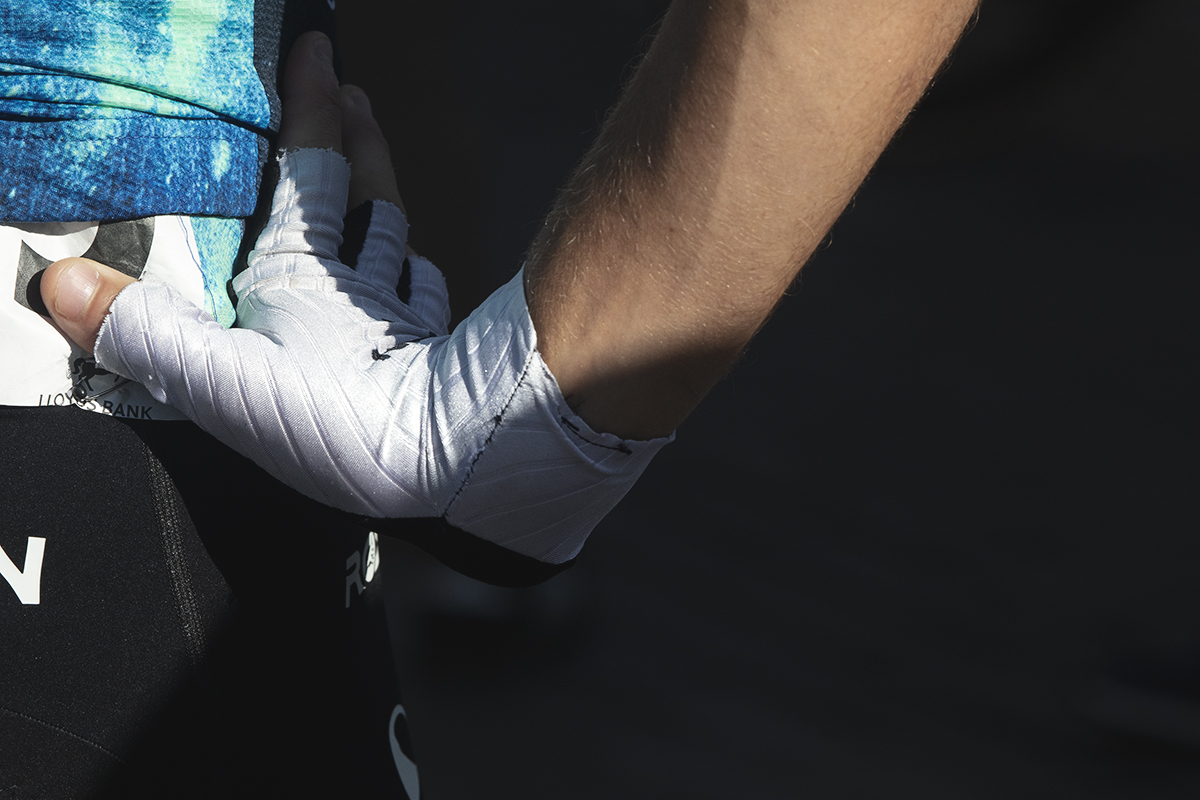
(404, 765)
(41, 367)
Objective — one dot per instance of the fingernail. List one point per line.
(76, 287)
(323, 48)
(359, 98)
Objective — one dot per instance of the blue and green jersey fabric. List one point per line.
(131, 108)
(119, 109)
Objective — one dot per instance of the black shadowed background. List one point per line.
(936, 536)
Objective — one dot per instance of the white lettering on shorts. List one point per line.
(357, 577)
(404, 764)
(27, 583)
(372, 556)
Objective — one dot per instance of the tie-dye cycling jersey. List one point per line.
(131, 108)
(118, 110)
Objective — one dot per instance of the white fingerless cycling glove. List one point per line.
(342, 391)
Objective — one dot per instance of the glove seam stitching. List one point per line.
(497, 421)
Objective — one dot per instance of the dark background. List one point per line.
(947, 502)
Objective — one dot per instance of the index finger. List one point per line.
(312, 111)
(371, 173)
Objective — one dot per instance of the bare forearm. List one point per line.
(740, 140)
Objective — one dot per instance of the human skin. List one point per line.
(741, 138)
(739, 142)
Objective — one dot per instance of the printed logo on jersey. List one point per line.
(27, 582)
(124, 246)
(40, 366)
(361, 568)
(402, 752)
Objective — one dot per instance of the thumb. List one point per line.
(77, 293)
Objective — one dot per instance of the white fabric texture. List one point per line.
(340, 390)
